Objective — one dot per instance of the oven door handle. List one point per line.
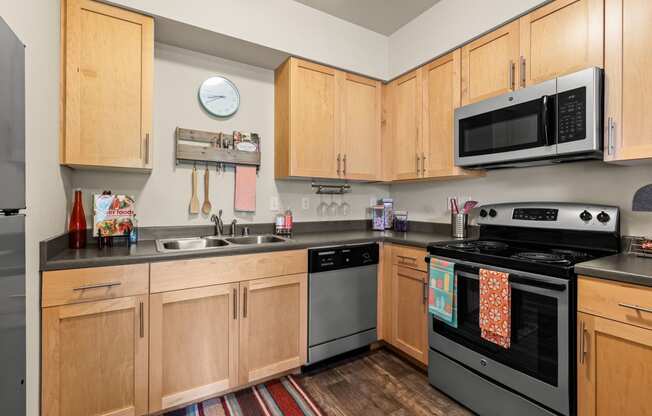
(544, 122)
(557, 287)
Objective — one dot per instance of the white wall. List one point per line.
(283, 25)
(162, 198)
(446, 25)
(590, 182)
(37, 24)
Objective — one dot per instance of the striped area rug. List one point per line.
(280, 397)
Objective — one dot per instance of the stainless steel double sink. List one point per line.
(213, 242)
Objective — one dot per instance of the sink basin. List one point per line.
(189, 244)
(256, 239)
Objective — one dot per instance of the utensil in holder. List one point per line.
(459, 223)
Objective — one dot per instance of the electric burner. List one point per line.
(542, 257)
(478, 245)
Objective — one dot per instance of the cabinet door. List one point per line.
(95, 358)
(273, 326)
(627, 122)
(409, 312)
(361, 136)
(561, 37)
(108, 86)
(193, 344)
(614, 368)
(407, 131)
(489, 64)
(314, 120)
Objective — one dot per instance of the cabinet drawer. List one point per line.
(409, 257)
(186, 274)
(80, 285)
(622, 302)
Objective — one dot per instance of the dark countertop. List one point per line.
(145, 251)
(626, 268)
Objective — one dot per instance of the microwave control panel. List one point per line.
(571, 109)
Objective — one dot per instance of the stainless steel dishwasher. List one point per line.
(342, 298)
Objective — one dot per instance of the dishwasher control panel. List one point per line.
(335, 258)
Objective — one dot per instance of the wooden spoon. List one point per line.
(206, 207)
(194, 200)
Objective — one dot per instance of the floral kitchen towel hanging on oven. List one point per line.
(442, 291)
(495, 307)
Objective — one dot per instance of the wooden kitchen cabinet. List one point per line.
(273, 326)
(361, 134)
(327, 123)
(410, 312)
(489, 64)
(561, 37)
(95, 358)
(627, 82)
(407, 125)
(107, 81)
(614, 367)
(193, 345)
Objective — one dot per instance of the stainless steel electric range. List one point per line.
(538, 244)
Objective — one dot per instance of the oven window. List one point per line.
(507, 129)
(534, 343)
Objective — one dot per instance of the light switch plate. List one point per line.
(305, 203)
(273, 203)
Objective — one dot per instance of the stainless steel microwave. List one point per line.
(554, 121)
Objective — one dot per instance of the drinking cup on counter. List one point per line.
(459, 223)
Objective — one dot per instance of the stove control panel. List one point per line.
(557, 215)
(535, 214)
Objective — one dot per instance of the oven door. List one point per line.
(512, 127)
(537, 363)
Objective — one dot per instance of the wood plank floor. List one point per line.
(377, 383)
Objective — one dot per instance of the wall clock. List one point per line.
(219, 96)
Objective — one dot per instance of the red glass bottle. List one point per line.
(77, 226)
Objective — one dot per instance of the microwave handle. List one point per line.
(545, 121)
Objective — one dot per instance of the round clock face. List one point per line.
(219, 96)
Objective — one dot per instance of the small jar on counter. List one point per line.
(401, 221)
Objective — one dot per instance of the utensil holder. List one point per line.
(459, 224)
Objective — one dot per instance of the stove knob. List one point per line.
(586, 216)
(492, 213)
(603, 217)
(483, 213)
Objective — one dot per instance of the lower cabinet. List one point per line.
(193, 344)
(273, 326)
(614, 367)
(95, 358)
(410, 312)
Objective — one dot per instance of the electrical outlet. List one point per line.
(305, 203)
(373, 201)
(273, 203)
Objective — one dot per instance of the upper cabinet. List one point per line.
(107, 74)
(407, 131)
(627, 81)
(561, 37)
(327, 123)
(489, 64)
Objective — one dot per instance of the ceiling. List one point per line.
(382, 16)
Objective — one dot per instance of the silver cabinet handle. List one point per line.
(235, 304)
(339, 160)
(402, 259)
(147, 149)
(512, 70)
(423, 164)
(635, 307)
(244, 303)
(344, 163)
(523, 72)
(98, 286)
(142, 319)
(583, 349)
(611, 129)
(418, 160)
(425, 293)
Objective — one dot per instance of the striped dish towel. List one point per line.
(442, 293)
(495, 307)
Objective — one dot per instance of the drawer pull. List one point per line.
(244, 302)
(425, 293)
(98, 286)
(142, 319)
(235, 304)
(404, 258)
(583, 349)
(635, 307)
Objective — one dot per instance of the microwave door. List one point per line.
(511, 127)
(579, 112)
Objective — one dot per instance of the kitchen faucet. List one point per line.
(233, 225)
(219, 224)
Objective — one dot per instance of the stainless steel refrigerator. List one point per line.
(12, 223)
